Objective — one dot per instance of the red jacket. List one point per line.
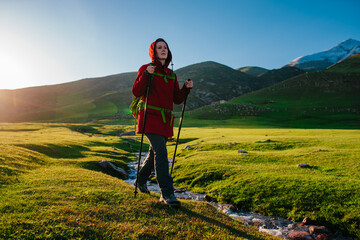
(162, 95)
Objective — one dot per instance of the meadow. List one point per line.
(52, 187)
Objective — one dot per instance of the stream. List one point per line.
(275, 226)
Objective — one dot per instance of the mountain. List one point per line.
(214, 82)
(322, 60)
(323, 99)
(253, 71)
(110, 96)
(274, 76)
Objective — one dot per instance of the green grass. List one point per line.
(268, 181)
(52, 188)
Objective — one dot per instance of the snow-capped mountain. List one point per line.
(322, 60)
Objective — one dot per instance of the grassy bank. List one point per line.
(52, 188)
(267, 179)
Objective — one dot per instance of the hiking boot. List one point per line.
(143, 188)
(170, 200)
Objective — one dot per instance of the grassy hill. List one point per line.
(105, 97)
(214, 82)
(80, 100)
(351, 65)
(253, 71)
(325, 99)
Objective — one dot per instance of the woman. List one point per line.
(164, 92)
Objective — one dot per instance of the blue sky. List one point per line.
(45, 42)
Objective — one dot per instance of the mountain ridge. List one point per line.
(322, 60)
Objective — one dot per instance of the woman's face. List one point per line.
(161, 50)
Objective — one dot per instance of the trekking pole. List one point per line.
(178, 136)
(143, 131)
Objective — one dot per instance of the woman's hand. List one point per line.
(189, 84)
(150, 69)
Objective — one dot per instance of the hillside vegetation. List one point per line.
(253, 71)
(324, 99)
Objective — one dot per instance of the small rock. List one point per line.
(273, 232)
(235, 143)
(306, 221)
(258, 141)
(131, 133)
(258, 222)
(242, 151)
(267, 140)
(299, 235)
(207, 198)
(291, 226)
(179, 190)
(323, 236)
(303, 165)
(188, 147)
(318, 229)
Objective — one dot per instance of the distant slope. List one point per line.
(319, 99)
(253, 71)
(80, 100)
(214, 82)
(274, 76)
(350, 65)
(322, 60)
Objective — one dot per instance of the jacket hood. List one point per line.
(152, 53)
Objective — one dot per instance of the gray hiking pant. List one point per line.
(157, 159)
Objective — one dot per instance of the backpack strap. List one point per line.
(166, 77)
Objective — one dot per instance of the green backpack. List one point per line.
(134, 106)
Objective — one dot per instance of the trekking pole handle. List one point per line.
(187, 89)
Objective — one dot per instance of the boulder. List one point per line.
(117, 170)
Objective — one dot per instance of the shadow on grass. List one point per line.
(19, 130)
(212, 221)
(56, 151)
(182, 140)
